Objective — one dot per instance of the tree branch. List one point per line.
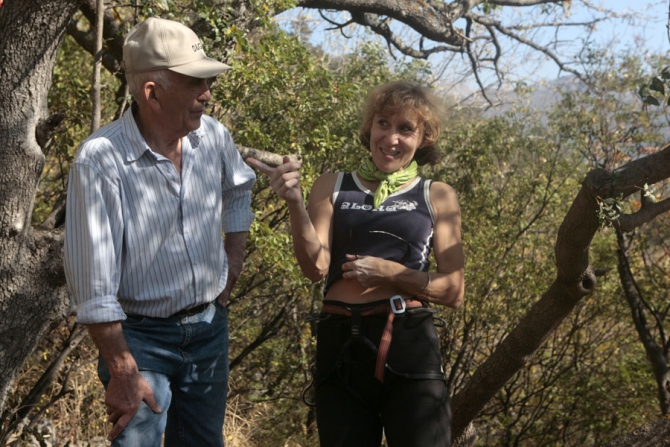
(525, 2)
(628, 222)
(494, 24)
(575, 279)
(382, 28)
(427, 19)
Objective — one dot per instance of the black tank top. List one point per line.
(401, 230)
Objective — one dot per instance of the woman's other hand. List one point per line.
(370, 271)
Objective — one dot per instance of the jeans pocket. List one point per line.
(134, 320)
(221, 310)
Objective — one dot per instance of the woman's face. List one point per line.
(393, 140)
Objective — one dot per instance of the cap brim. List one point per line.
(203, 68)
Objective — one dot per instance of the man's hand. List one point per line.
(127, 388)
(123, 398)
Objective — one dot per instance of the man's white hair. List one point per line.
(136, 81)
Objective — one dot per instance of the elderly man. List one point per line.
(149, 272)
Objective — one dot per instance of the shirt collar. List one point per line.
(137, 145)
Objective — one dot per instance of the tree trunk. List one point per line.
(32, 292)
(575, 278)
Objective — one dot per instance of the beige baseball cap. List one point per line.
(156, 44)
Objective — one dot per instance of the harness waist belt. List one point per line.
(374, 309)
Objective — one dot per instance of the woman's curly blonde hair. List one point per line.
(400, 96)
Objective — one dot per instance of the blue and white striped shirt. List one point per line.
(139, 238)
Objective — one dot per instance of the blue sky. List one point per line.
(652, 26)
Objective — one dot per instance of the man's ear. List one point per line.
(151, 94)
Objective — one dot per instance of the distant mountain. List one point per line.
(540, 97)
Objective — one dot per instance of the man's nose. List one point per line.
(206, 96)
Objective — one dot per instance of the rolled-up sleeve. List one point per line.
(93, 231)
(237, 180)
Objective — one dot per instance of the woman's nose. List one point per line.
(392, 135)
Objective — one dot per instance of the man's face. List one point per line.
(184, 103)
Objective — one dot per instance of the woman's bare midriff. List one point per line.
(351, 291)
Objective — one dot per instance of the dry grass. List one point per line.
(237, 430)
(78, 418)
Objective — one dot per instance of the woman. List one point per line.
(370, 233)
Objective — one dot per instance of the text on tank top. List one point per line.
(401, 230)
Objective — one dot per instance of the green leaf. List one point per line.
(652, 101)
(657, 85)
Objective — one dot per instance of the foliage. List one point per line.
(605, 123)
(598, 127)
(655, 92)
(511, 186)
(609, 210)
(514, 175)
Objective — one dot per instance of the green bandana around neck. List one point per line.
(390, 182)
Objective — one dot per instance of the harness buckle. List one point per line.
(396, 301)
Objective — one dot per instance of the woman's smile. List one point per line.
(393, 141)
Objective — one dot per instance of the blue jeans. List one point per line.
(185, 360)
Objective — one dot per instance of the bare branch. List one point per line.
(524, 2)
(512, 35)
(433, 23)
(95, 88)
(655, 351)
(475, 65)
(382, 28)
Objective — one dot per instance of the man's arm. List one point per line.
(235, 245)
(127, 388)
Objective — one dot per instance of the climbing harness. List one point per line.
(396, 305)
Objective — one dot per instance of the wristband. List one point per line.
(427, 284)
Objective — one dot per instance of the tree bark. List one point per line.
(32, 292)
(654, 434)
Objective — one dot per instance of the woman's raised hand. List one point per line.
(284, 179)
